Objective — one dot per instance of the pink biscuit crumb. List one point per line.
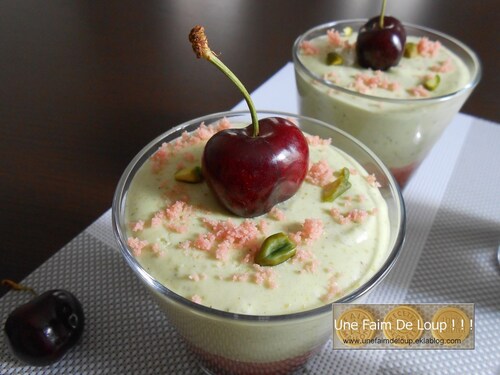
(157, 220)
(136, 245)
(372, 180)
(319, 173)
(427, 48)
(197, 277)
(331, 76)
(265, 276)
(222, 251)
(332, 290)
(302, 255)
(314, 140)
(196, 298)
(354, 216)
(157, 250)
(418, 91)
(311, 266)
(363, 83)
(204, 241)
(223, 124)
(277, 214)
(177, 210)
(311, 230)
(308, 48)
(201, 134)
(334, 38)
(238, 235)
(263, 225)
(240, 277)
(160, 157)
(443, 67)
(137, 226)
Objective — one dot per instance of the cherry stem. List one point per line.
(199, 42)
(16, 286)
(382, 14)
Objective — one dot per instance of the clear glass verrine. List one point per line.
(401, 131)
(226, 342)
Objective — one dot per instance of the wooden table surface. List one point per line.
(85, 85)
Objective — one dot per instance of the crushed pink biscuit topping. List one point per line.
(197, 277)
(196, 298)
(178, 215)
(427, 48)
(240, 277)
(315, 140)
(157, 219)
(354, 216)
(319, 173)
(443, 67)
(418, 91)
(363, 83)
(372, 180)
(331, 76)
(311, 230)
(204, 241)
(307, 48)
(334, 38)
(263, 225)
(277, 214)
(137, 226)
(223, 236)
(223, 249)
(265, 276)
(223, 124)
(155, 248)
(332, 290)
(302, 255)
(311, 266)
(201, 134)
(136, 245)
(178, 210)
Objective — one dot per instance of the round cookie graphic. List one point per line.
(355, 326)
(402, 325)
(454, 325)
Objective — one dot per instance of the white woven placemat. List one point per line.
(453, 230)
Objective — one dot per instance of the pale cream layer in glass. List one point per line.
(401, 133)
(341, 244)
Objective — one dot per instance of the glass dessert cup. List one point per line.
(400, 131)
(242, 344)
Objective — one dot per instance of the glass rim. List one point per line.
(120, 237)
(475, 76)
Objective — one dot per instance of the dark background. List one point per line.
(84, 85)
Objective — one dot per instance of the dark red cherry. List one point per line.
(250, 174)
(378, 47)
(42, 330)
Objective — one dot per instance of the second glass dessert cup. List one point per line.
(229, 343)
(400, 131)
